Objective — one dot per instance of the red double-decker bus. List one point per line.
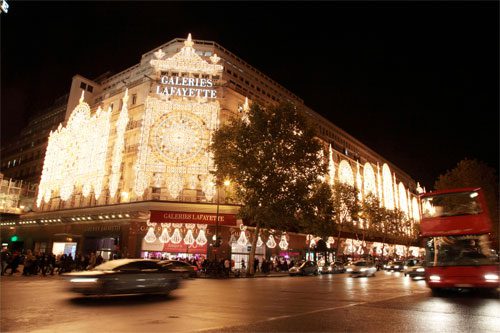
(456, 227)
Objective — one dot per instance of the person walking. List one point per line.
(6, 258)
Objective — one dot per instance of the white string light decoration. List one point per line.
(189, 238)
(259, 242)
(165, 236)
(121, 126)
(150, 235)
(330, 242)
(176, 237)
(345, 173)
(242, 240)
(271, 243)
(202, 238)
(387, 187)
(331, 166)
(283, 243)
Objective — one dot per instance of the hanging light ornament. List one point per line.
(202, 238)
(330, 242)
(165, 237)
(242, 241)
(259, 242)
(176, 236)
(150, 235)
(189, 238)
(271, 243)
(283, 243)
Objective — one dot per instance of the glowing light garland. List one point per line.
(189, 238)
(345, 173)
(76, 155)
(116, 162)
(387, 186)
(271, 243)
(202, 238)
(165, 236)
(331, 166)
(370, 186)
(176, 237)
(242, 240)
(283, 243)
(259, 242)
(150, 235)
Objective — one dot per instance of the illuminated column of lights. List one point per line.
(379, 186)
(331, 166)
(271, 243)
(141, 179)
(416, 212)
(259, 242)
(189, 238)
(345, 173)
(359, 184)
(76, 154)
(150, 235)
(202, 238)
(165, 236)
(116, 162)
(387, 187)
(403, 201)
(176, 237)
(174, 185)
(242, 240)
(283, 243)
(408, 203)
(396, 196)
(370, 186)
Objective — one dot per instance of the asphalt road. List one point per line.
(330, 303)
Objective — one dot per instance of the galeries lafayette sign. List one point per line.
(191, 217)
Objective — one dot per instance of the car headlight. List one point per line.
(420, 269)
(349, 270)
(491, 277)
(363, 269)
(435, 278)
(405, 267)
(329, 269)
(396, 266)
(77, 280)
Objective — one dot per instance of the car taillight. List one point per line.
(195, 268)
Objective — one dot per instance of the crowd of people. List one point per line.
(47, 263)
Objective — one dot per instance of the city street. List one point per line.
(385, 303)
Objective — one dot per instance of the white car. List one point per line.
(361, 268)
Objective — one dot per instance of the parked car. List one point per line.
(361, 268)
(306, 268)
(186, 269)
(125, 276)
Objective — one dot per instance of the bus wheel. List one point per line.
(436, 291)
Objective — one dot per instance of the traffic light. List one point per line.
(14, 238)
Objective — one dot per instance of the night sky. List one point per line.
(416, 82)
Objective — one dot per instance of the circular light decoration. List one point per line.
(387, 187)
(345, 173)
(179, 137)
(370, 185)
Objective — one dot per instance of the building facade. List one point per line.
(128, 168)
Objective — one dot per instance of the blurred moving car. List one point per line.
(125, 276)
(186, 269)
(306, 268)
(395, 266)
(408, 265)
(361, 268)
(416, 271)
(334, 267)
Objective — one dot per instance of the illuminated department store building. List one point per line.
(128, 170)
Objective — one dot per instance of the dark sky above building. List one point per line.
(418, 82)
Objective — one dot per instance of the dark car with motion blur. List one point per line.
(395, 266)
(305, 268)
(125, 276)
(333, 268)
(184, 268)
(416, 271)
